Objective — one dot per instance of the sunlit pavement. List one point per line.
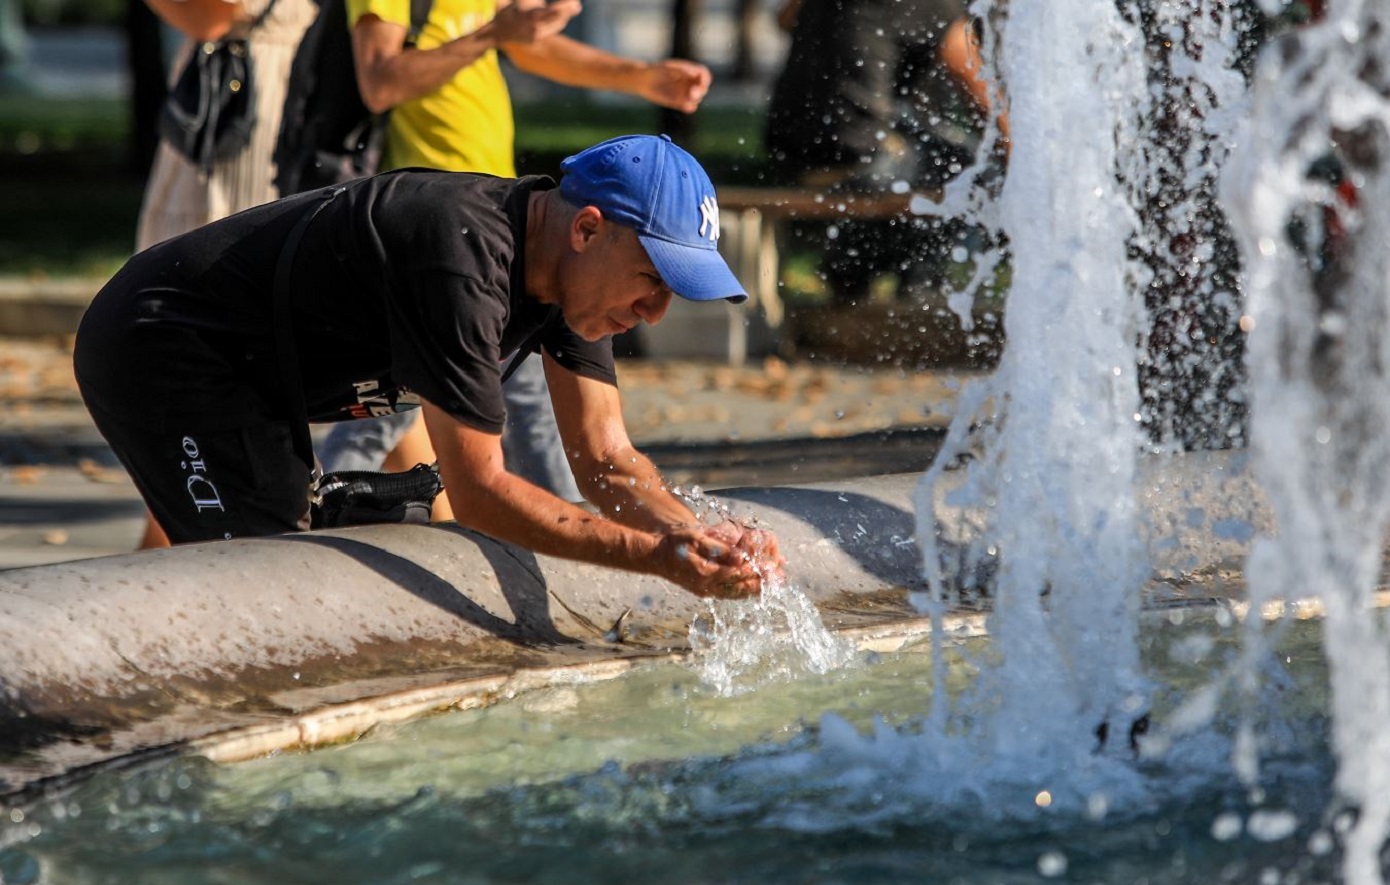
(63, 495)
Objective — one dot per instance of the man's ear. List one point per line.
(585, 227)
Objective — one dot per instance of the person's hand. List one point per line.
(759, 545)
(718, 562)
(527, 21)
(676, 83)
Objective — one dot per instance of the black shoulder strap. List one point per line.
(419, 14)
(285, 349)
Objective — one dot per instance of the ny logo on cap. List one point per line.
(709, 218)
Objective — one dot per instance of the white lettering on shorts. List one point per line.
(200, 488)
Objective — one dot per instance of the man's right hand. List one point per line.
(527, 21)
(707, 562)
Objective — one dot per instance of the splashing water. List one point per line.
(1052, 433)
(1311, 201)
(1049, 441)
(743, 645)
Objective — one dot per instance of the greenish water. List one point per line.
(655, 778)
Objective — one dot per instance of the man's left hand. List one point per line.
(759, 546)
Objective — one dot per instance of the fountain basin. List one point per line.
(239, 648)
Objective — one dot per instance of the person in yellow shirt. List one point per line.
(450, 109)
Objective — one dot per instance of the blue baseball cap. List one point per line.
(650, 184)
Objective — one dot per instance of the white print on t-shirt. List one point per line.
(373, 402)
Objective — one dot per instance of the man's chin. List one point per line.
(600, 331)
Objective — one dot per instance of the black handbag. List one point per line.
(210, 111)
(361, 497)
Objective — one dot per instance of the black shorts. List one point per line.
(213, 484)
(196, 422)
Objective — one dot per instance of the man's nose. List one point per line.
(651, 308)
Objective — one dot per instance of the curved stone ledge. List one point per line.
(297, 640)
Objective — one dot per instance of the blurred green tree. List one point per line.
(73, 12)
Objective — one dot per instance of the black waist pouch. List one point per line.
(364, 497)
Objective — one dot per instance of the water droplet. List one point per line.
(1097, 806)
(1052, 864)
(1333, 323)
(1320, 843)
(1271, 826)
(1226, 827)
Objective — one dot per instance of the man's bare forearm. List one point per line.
(389, 80)
(629, 489)
(487, 498)
(573, 63)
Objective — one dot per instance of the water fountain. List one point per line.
(1055, 455)
(1042, 499)
(1314, 246)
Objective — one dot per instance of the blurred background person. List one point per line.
(877, 95)
(179, 196)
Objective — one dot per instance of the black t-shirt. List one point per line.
(406, 285)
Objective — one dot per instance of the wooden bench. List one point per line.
(748, 222)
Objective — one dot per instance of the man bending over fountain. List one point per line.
(203, 360)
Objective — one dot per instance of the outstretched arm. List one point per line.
(672, 83)
(491, 500)
(388, 73)
(622, 482)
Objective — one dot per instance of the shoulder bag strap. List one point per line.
(285, 349)
(419, 14)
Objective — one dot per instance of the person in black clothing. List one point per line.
(416, 288)
(875, 93)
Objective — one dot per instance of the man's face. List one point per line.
(610, 284)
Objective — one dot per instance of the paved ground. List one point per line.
(62, 495)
